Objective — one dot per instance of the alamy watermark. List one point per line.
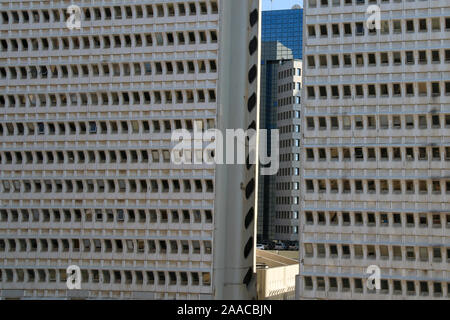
(214, 147)
(374, 280)
(374, 20)
(73, 277)
(74, 20)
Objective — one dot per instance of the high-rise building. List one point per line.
(287, 180)
(375, 150)
(86, 117)
(281, 42)
(285, 27)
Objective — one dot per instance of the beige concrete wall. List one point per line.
(277, 283)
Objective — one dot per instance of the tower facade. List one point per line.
(86, 118)
(282, 38)
(287, 181)
(375, 150)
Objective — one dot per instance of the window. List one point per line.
(436, 24)
(397, 58)
(397, 26)
(424, 291)
(437, 289)
(309, 186)
(358, 251)
(435, 89)
(359, 60)
(372, 59)
(308, 280)
(422, 25)
(435, 56)
(397, 188)
(423, 254)
(335, 29)
(437, 254)
(409, 89)
(323, 30)
(410, 254)
(323, 61)
(311, 62)
(409, 25)
(409, 57)
(384, 27)
(359, 26)
(347, 29)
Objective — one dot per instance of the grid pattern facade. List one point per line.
(281, 41)
(287, 182)
(269, 67)
(85, 129)
(267, 121)
(284, 26)
(375, 154)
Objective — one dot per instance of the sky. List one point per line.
(280, 4)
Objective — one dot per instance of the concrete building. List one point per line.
(376, 150)
(86, 178)
(287, 181)
(281, 41)
(275, 276)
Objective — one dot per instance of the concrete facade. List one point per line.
(287, 181)
(275, 276)
(376, 150)
(86, 118)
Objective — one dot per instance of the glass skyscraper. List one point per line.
(284, 26)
